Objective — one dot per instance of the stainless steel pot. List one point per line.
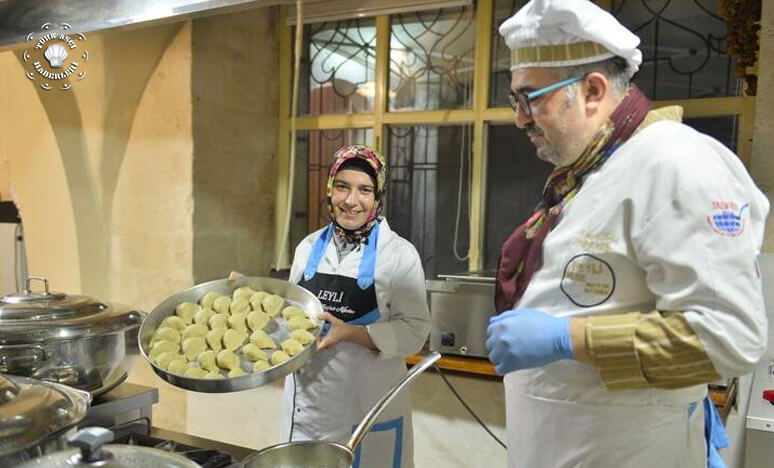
(293, 293)
(314, 454)
(92, 453)
(36, 417)
(72, 340)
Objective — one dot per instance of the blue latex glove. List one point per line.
(525, 338)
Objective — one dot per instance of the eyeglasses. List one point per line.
(520, 100)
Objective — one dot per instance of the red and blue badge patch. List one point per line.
(727, 218)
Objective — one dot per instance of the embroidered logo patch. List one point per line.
(587, 280)
(727, 218)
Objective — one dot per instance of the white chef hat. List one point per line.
(560, 33)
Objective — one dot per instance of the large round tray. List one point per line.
(293, 294)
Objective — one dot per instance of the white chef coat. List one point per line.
(349, 378)
(649, 230)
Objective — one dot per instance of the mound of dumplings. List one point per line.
(224, 336)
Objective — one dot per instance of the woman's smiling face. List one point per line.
(352, 198)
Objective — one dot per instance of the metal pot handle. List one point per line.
(28, 290)
(14, 357)
(367, 423)
(90, 440)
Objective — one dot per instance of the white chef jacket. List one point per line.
(649, 230)
(355, 377)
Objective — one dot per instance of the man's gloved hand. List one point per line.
(525, 338)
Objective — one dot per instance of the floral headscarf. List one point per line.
(376, 162)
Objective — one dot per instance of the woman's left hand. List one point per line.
(342, 331)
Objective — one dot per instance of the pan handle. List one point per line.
(367, 423)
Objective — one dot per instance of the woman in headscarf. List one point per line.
(371, 284)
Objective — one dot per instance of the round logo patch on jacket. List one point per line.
(587, 280)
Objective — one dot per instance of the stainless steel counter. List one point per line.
(237, 453)
(127, 402)
(759, 433)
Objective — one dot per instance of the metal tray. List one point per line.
(293, 294)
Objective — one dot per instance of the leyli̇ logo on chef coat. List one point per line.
(588, 280)
(56, 57)
(727, 218)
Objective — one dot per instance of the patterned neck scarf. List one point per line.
(520, 252)
(376, 162)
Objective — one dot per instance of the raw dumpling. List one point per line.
(240, 306)
(302, 336)
(193, 346)
(257, 319)
(238, 372)
(219, 321)
(261, 339)
(221, 305)
(163, 359)
(237, 322)
(162, 347)
(300, 323)
(173, 321)
(203, 316)
(215, 338)
(178, 366)
(213, 375)
(292, 311)
(254, 353)
(195, 372)
(166, 334)
(245, 292)
(233, 339)
(206, 360)
(207, 300)
(292, 347)
(278, 357)
(194, 330)
(227, 359)
(260, 366)
(272, 304)
(257, 299)
(186, 311)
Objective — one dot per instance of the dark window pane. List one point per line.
(431, 59)
(427, 202)
(683, 46)
(500, 78)
(515, 178)
(722, 128)
(337, 67)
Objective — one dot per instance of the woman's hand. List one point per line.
(342, 331)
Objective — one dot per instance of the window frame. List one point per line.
(480, 116)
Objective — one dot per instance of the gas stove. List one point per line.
(126, 411)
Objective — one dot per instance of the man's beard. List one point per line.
(546, 152)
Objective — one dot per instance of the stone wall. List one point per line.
(235, 91)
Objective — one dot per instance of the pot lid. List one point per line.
(32, 410)
(33, 315)
(92, 453)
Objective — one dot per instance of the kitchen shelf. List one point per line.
(470, 365)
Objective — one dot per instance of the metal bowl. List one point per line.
(293, 294)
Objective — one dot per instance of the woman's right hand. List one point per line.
(235, 275)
